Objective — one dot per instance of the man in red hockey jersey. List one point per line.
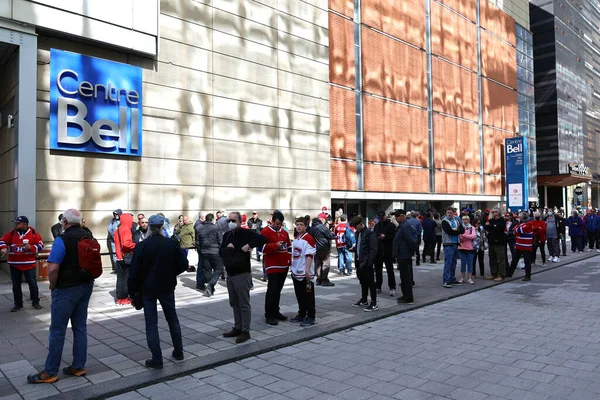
(277, 257)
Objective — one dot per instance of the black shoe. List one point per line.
(378, 290)
(527, 278)
(402, 300)
(281, 317)
(243, 337)
(201, 288)
(232, 333)
(297, 318)
(264, 279)
(308, 321)
(258, 258)
(328, 283)
(177, 356)
(271, 321)
(16, 308)
(318, 283)
(360, 303)
(150, 363)
(372, 307)
(433, 262)
(37, 306)
(417, 264)
(208, 291)
(191, 269)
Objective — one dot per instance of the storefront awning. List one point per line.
(563, 180)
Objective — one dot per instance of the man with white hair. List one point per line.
(71, 288)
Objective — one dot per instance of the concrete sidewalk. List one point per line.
(117, 344)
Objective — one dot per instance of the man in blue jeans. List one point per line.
(344, 239)
(451, 229)
(71, 289)
(153, 274)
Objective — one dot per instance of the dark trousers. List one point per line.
(438, 246)
(542, 247)
(167, 303)
(510, 244)
(593, 239)
(428, 250)
(513, 264)
(322, 264)
(406, 278)
(497, 254)
(16, 277)
(418, 253)
(274, 286)
(122, 277)
(479, 256)
(389, 267)
(306, 301)
(563, 242)
(576, 243)
(367, 283)
(553, 247)
(212, 268)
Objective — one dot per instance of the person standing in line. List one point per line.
(592, 226)
(539, 238)
(277, 255)
(236, 248)
(110, 239)
(482, 246)
(366, 254)
(385, 231)
(140, 217)
(509, 232)
(342, 239)
(56, 229)
(323, 237)
(496, 239)
(142, 232)
(22, 244)
(415, 223)
(438, 235)
(208, 242)
(71, 288)
(199, 221)
(124, 246)
(403, 249)
(552, 236)
(524, 233)
(429, 237)
(466, 249)
(575, 224)
(186, 236)
(255, 224)
(155, 265)
(561, 224)
(303, 274)
(451, 229)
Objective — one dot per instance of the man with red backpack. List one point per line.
(22, 245)
(73, 264)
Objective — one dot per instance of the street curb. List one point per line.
(198, 364)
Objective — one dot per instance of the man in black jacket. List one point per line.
(366, 253)
(561, 225)
(404, 246)
(210, 265)
(256, 224)
(385, 231)
(235, 251)
(497, 245)
(156, 263)
(57, 228)
(323, 238)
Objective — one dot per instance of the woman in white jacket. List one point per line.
(303, 273)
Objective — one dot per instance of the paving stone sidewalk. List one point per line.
(533, 340)
(117, 343)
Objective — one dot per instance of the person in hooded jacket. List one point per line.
(323, 237)
(575, 224)
(592, 227)
(124, 246)
(385, 231)
(110, 238)
(429, 237)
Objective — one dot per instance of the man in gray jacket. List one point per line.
(403, 249)
(208, 242)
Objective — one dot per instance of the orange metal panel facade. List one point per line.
(498, 22)
(455, 90)
(456, 144)
(494, 185)
(453, 37)
(464, 7)
(493, 142)
(393, 69)
(500, 107)
(457, 183)
(343, 175)
(498, 61)
(395, 133)
(342, 123)
(385, 178)
(341, 51)
(403, 19)
(344, 7)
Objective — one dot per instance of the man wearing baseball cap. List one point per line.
(22, 244)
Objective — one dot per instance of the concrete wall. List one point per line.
(235, 115)
(9, 81)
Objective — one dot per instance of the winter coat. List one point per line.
(404, 244)
(466, 239)
(124, 243)
(186, 235)
(388, 229)
(321, 235)
(575, 225)
(429, 230)
(208, 239)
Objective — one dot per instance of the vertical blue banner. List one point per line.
(517, 173)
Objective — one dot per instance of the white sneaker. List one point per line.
(544, 264)
(556, 259)
(588, 250)
(393, 293)
(598, 250)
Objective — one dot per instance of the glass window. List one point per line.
(524, 129)
(531, 104)
(522, 73)
(523, 116)
(523, 103)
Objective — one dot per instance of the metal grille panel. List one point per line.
(455, 90)
(456, 144)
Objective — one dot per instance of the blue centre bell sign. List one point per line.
(517, 173)
(95, 105)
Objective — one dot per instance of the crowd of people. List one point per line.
(148, 255)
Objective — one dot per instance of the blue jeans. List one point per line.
(70, 303)
(167, 302)
(450, 258)
(466, 261)
(344, 259)
(16, 277)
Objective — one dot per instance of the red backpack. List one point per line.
(88, 256)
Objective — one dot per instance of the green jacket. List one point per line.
(186, 236)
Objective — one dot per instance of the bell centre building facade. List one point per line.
(185, 106)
